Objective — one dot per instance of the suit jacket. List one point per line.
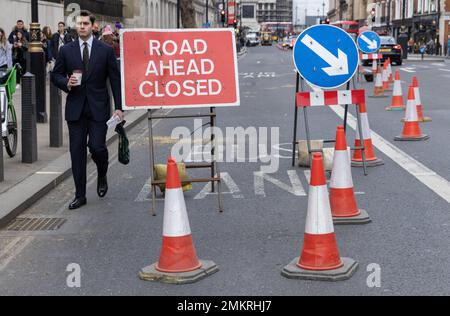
(93, 89)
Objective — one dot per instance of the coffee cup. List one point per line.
(79, 75)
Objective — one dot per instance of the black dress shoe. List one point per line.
(77, 203)
(102, 186)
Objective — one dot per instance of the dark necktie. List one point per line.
(86, 56)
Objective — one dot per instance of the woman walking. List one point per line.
(5, 52)
(20, 48)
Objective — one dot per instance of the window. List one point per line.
(248, 11)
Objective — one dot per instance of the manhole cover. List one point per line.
(35, 224)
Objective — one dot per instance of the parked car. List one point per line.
(266, 38)
(389, 48)
(252, 39)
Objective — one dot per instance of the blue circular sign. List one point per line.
(326, 56)
(369, 42)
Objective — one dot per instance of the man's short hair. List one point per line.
(61, 23)
(19, 21)
(85, 13)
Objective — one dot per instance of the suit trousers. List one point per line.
(82, 134)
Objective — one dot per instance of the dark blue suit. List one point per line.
(88, 105)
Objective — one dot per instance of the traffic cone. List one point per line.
(385, 76)
(389, 68)
(422, 118)
(319, 259)
(378, 91)
(374, 67)
(371, 159)
(397, 103)
(411, 129)
(342, 197)
(178, 262)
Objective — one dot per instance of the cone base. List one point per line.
(395, 108)
(293, 271)
(414, 138)
(362, 218)
(378, 96)
(371, 163)
(151, 274)
(424, 120)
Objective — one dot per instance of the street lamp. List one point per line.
(323, 9)
(36, 62)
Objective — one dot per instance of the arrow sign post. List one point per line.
(326, 56)
(369, 42)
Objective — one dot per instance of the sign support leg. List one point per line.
(294, 141)
(152, 162)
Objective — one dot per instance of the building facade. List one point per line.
(256, 12)
(50, 13)
(163, 13)
(422, 20)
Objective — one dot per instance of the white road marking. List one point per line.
(226, 180)
(442, 69)
(296, 187)
(408, 69)
(428, 177)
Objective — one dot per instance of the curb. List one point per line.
(46, 179)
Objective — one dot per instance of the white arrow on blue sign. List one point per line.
(369, 42)
(326, 56)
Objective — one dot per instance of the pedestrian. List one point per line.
(5, 51)
(96, 31)
(59, 39)
(87, 107)
(448, 46)
(20, 49)
(109, 38)
(46, 40)
(411, 46)
(430, 46)
(20, 26)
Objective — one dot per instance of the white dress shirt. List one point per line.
(89, 42)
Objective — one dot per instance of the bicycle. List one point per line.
(8, 113)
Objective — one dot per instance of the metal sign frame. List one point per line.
(300, 88)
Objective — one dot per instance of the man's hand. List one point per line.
(120, 114)
(73, 81)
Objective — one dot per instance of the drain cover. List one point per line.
(35, 224)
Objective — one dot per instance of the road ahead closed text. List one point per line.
(172, 69)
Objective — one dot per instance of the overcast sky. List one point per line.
(311, 6)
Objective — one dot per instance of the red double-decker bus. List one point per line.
(348, 26)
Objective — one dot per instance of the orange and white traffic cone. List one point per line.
(389, 68)
(178, 262)
(397, 103)
(319, 259)
(385, 76)
(371, 158)
(342, 197)
(411, 129)
(422, 118)
(378, 91)
(374, 67)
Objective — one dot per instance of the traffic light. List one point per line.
(373, 14)
(222, 16)
(235, 23)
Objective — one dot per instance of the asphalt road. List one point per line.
(262, 228)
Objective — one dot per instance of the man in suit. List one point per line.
(88, 106)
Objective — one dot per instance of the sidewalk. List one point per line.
(26, 183)
(418, 57)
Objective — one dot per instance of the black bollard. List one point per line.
(29, 131)
(56, 121)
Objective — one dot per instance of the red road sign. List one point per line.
(185, 68)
